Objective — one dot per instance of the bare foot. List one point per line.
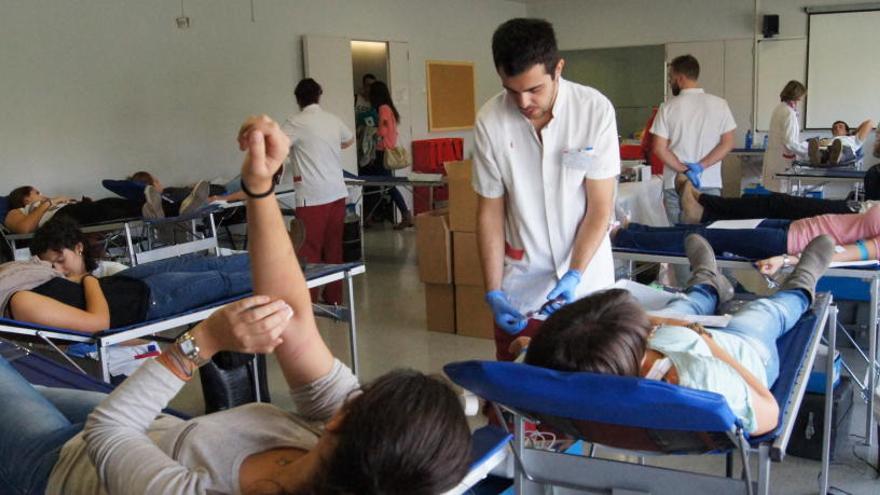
(691, 209)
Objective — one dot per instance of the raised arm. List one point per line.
(303, 355)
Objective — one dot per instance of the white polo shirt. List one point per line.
(316, 137)
(693, 122)
(543, 186)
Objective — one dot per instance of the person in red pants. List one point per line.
(317, 139)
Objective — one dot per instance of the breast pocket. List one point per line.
(578, 159)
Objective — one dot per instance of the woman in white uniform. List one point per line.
(784, 143)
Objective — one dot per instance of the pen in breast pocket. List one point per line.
(588, 148)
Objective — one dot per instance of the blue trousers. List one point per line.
(186, 282)
(770, 238)
(760, 322)
(35, 423)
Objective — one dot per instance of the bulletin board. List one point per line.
(451, 100)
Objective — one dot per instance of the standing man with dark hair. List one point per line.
(317, 139)
(545, 169)
(693, 133)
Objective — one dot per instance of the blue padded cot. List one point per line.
(643, 416)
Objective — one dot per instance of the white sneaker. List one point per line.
(153, 205)
(197, 199)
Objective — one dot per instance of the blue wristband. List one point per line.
(863, 250)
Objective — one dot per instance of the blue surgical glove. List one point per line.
(694, 172)
(563, 292)
(506, 316)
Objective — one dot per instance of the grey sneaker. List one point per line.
(834, 152)
(814, 260)
(704, 270)
(814, 153)
(153, 205)
(197, 199)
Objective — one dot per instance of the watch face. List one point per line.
(187, 346)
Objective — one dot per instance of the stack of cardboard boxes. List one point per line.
(449, 261)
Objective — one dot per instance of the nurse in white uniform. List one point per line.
(783, 142)
(546, 166)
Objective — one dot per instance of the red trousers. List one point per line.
(503, 339)
(324, 226)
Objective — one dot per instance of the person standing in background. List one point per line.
(784, 143)
(693, 132)
(317, 139)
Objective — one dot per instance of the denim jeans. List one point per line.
(186, 282)
(770, 238)
(35, 423)
(672, 203)
(377, 167)
(760, 322)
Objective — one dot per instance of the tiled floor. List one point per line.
(391, 332)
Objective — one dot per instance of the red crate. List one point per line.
(429, 154)
(421, 195)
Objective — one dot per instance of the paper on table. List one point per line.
(653, 300)
(750, 223)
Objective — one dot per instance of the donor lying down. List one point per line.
(609, 332)
(404, 433)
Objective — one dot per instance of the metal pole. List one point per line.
(352, 322)
(872, 363)
(130, 244)
(831, 337)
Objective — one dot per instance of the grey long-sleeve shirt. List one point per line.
(125, 448)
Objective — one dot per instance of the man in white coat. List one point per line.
(693, 132)
(545, 169)
(783, 138)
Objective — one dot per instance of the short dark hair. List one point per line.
(407, 433)
(687, 66)
(606, 332)
(307, 92)
(143, 177)
(792, 91)
(62, 232)
(367, 76)
(16, 197)
(519, 44)
(841, 122)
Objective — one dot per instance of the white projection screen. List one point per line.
(843, 73)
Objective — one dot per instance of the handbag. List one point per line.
(396, 158)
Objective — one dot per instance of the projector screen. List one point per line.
(842, 69)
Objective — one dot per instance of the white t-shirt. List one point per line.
(316, 137)
(543, 186)
(852, 142)
(26, 210)
(693, 122)
(108, 268)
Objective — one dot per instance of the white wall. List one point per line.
(94, 89)
(605, 23)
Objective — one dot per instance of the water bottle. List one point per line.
(749, 138)
(766, 140)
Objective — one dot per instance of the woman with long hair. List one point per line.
(389, 117)
(337, 442)
(29, 209)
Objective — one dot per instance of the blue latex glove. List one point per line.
(694, 172)
(563, 292)
(506, 316)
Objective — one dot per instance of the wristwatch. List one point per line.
(785, 261)
(189, 348)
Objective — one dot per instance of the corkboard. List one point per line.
(451, 101)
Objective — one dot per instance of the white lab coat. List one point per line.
(543, 187)
(783, 146)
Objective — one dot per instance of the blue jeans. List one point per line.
(377, 167)
(770, 238)
(186, 282)
(35, 423)
(760, 322)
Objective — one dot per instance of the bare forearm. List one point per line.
(96, 303)
(591, 233)
(669, 159)
(490, 241)
(724, 146)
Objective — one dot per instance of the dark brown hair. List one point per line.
(605, 332)
(379, 95)
(406, 434)
(16, 197)
(845, 125)
(519, 44)
(686, 65)
(143, 177)
(59, 233)
(307, 92)
(792, 91)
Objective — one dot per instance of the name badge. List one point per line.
(578, 159)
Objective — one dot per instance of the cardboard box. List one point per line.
(440, 307)
(473, 318)
(467, 268)
(434, 247)
(462, 198)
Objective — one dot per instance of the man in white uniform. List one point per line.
(693, 132)
(317, 139)
(545, 169)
